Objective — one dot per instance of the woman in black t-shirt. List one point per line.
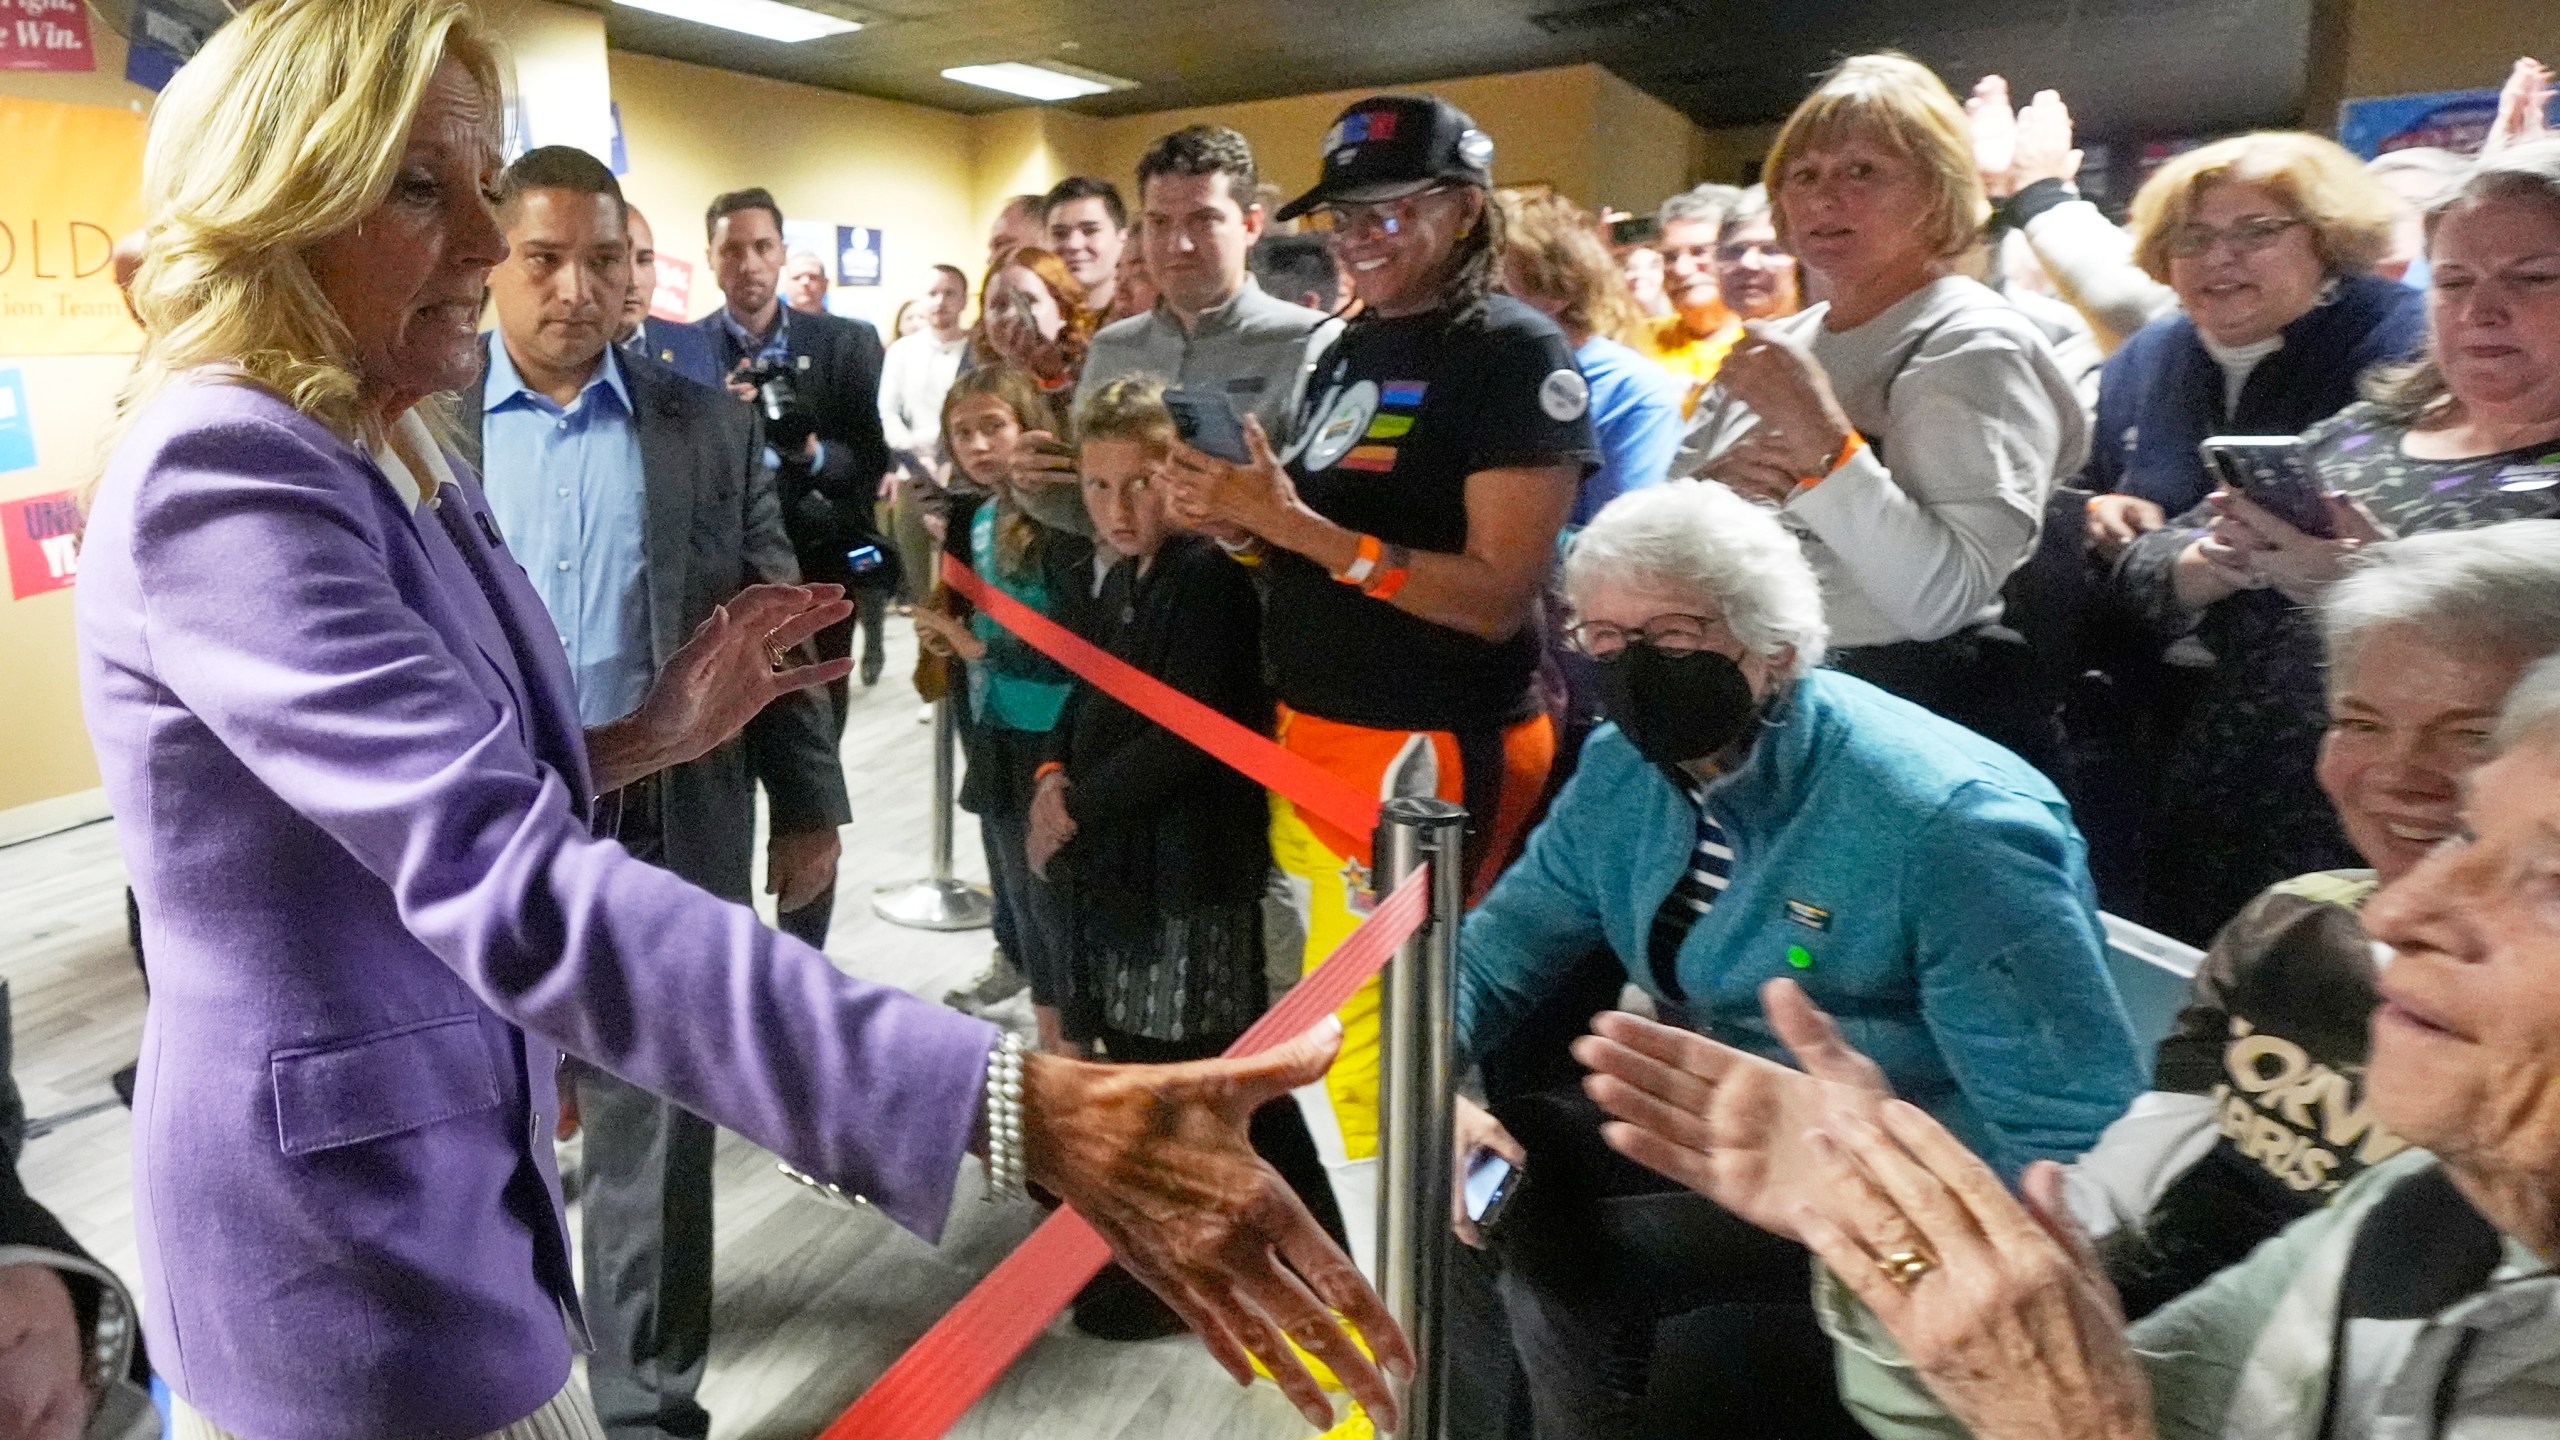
(1405, 538)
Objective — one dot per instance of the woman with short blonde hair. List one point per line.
(1911, 426)
(359, 814)
(2348, 212)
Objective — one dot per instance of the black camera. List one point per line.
(787, 422)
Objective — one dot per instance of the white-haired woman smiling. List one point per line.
(352, 791)
(1750, 815)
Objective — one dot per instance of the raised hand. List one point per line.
(2002, 1308)
(1726, 1123)
(2044, 142)
(1995, 133)
(736, 662)
(2524, 107)
(1156, 1159)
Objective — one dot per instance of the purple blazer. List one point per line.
(351, 788)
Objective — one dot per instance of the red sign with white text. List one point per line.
(42, 540)
(674, 297)
(45, 35)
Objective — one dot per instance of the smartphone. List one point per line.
(1207, 422)
(2275, 472)
(863, 559)
(1635, 230)
(1492, 1182)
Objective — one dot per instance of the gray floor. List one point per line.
(814, 1301)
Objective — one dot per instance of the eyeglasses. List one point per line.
(1741, 250)
(1379, 217)
(1670, 634)
(2247, 235)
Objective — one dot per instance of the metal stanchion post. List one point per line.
(1417, 1018)
(939, 901)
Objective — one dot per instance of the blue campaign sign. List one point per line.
(2447, 119)
(857, 255)
(166, 35)
(17, 424)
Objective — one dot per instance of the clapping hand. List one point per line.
(2524, 108)
(1995, 133)
(1156, 1159)
(1802, 427)
(2001, 1307)
(735, 663)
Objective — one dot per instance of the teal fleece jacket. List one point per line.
(1924, 885)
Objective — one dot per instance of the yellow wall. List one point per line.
(692, 132)
(2366, 48)
(1577, 127)
(44, 749)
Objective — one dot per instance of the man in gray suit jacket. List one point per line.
(638, 501)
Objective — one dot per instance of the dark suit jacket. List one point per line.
(681, 348)
(712, 527)
(828, 510)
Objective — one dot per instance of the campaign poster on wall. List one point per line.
(673, 299)
(45, 35)
(166, 35)
(857, 255)
(17, 422)
(41, 536)
(2454, 120)
(71, 183)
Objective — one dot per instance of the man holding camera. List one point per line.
(816, 381)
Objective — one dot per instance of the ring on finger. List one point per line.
(777, 657)
(1905, 1267)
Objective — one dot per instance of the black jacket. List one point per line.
(1161, 827)
(836, 377)
(712, 526)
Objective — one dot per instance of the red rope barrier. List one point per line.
(925, 1390)
(1311, 788)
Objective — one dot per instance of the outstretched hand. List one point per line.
(2524, 108)
(1156, 1159)
(2008, 1317)
(734, 664)
(1726, 1123)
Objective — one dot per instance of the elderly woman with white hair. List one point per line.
(1750, 815)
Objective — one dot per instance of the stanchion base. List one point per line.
(935, 905)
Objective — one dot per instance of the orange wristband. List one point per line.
(1398, 563)
(1363, 565)
(1851, 446)
(1047, 769)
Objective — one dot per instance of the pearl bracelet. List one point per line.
(1005, 1174)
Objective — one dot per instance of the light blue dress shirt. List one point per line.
(568, 492)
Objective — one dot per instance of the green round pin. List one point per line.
(1799, 957)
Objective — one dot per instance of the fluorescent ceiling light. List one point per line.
(764, 19)
(1044, 80)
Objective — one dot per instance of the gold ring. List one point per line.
(1905, 1267)
(778, 658)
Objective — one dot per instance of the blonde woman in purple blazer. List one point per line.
(356, 802)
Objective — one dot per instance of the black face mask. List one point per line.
(1677, 708)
